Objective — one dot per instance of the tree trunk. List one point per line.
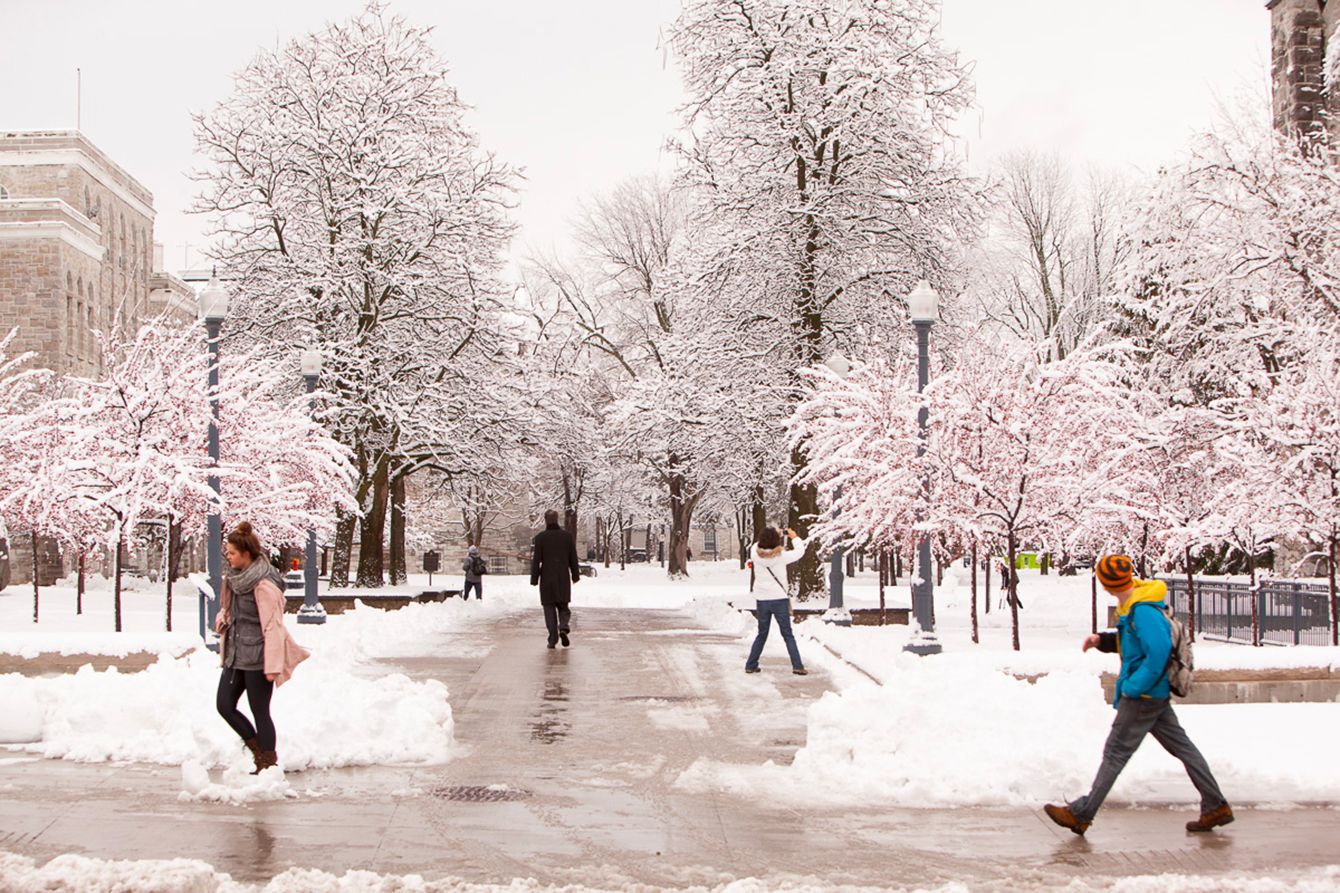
(882, 559)
(626, 540)
(805, 576)
(973, 585)
(758, 512)
(1014, 596)
(1144, 544)
(79, 586)
(176, 546)
(1046, 563)
(399, 564)
(1335, 606)
(344, 547)
(372, 530)
(741, 537)
(167, 571)
(36, 589)
(1093, 604)
(681, 520)
(116, 586)
(1255, 597)
(1190, 597)
(988, 584)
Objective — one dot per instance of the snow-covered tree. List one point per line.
(359, 216)
(1047, 266)
(1019, 448)
(816, 136)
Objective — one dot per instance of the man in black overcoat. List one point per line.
(554, 568)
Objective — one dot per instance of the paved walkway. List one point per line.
(588, 743)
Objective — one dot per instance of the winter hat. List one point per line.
(473, 550)
(1114, 571)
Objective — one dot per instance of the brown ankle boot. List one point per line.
(1062, 816)
(1208, 821)
(254, 745)
(264, 760)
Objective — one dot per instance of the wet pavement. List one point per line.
(566, 774)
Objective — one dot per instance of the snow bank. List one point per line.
(945, 732)
(79, 874)
(326, 716)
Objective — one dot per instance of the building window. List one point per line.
(497, 564)
(710, 542)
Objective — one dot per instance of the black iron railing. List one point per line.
(1288, 612)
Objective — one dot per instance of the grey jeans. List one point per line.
(1137, 717)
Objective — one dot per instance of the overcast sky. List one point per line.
(580, 94)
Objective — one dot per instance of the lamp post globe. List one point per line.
(213, 300)
(923, 304)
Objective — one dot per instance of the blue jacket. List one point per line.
(1144, 640)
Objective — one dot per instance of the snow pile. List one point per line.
(944, 732)
(79, 874)
(237, 785)
(326, 716)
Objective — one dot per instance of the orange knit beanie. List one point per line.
(1114, 571)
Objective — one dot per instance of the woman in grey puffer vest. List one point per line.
(244, 645)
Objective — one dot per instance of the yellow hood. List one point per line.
(1145, 591)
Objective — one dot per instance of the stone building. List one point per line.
(76, 247)
(1305, 99)
(76, 256)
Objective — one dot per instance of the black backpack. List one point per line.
(477, 566)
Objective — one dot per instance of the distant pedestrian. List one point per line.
(475, 568)
(770, 560)
(1144, 639)
(554, 568)
(1009, 585)
(256, 649)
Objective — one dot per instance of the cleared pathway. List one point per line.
(567, 774)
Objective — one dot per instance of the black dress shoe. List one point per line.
(551, 644)
(563, 637)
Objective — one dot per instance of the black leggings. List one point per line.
(231, 685)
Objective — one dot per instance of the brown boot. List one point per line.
(1208, 821)
(1062, 816)
(264, 760)
(254, 745)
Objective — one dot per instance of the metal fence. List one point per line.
(1289, 612)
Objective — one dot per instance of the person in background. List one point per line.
(475, 568)
(554, 568)
(255, 648)
(770, 560)
(1144, 639)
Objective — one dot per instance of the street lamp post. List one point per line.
(837, 612)
(923, 306)
(311, 610)
(213, 301)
